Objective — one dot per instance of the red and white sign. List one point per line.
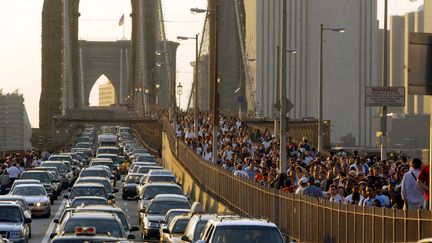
(385, 96)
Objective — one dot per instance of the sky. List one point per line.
(20, 39)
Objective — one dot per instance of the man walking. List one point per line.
(412, 194)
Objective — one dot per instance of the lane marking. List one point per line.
(51, 226)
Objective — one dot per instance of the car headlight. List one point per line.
(40, 204)
(15, 234)
(152, 224)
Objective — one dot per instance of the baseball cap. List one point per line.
(303, 180)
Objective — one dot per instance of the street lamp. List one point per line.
(179, 92)
(157, 93)
(196, 90)
(320, 83)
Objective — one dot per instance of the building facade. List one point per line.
(107, 95)
(349, 61)
(15, 128)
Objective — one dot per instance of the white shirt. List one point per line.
(208, 156)
(336, 199)
(410, 191)
(241, 173)
(348, 199)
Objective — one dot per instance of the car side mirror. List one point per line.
(27, 220)
(115, 190)
(55, 181)
(56, 221)
(131, 237)
(143, 210)
(185, 238)
(165, 230)
(134, 228)
(69, 189)
(52, 235)
(66, 196)
(111, 197)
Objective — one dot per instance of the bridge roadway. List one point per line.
(43, 227)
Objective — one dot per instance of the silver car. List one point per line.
(36, 198)
(14, 226)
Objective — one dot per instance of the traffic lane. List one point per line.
(40, 225)
(130, 208)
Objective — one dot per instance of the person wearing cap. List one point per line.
(312, 190)
(301, 185)
(411, 193)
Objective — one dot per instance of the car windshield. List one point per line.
(199, 228)
(97, 173)
(105, 183)
(10, 214)
(133, 178)
(29, 191)
(172, 215)
(87, 191)
(160, 179)
(152, 191)
(144, 169)
(246, 234)
(162, 207)
(179, 226)
(42, 177)
(83, 145)
(109, 164)
(145, 158)
(88, 201)
(105, 226)
(60, 166)
(107, 151)
(59, 158)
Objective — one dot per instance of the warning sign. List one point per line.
(385, 96)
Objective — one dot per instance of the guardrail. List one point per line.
(303, 218)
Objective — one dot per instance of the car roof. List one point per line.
(183, 210)
(88, 178)
(34, 171)
(11, 197)
(90, 197)
(88, 184)
(239, 221)
(164, 197)
(99, 208)
(28, 181)
(108, 147)
(162, 184)
(31, 185)
(99, 215)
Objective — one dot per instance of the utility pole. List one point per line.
(283, 98)
(211, 56)
(215, 81)
(196, 107)
(385, 84)
(277, 92)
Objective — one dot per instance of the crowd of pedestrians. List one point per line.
(340, 177)
(12, 165)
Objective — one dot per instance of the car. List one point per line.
(88, 189)
(175, 229)
(196, 226)
(61, 157)
(84, 234)
(129, 185)
(24, 181)
(96, 171)
(64, 173)
(56, 181)
(149, 191)
(145, 157)
(49, 182)
(103, 223)
(20, 201)
(108, 150)
(14, 226)
(135, 165)
(144, 169)
(240, 230)
(155, 211)
(158, 178)
(36, 198)
(87, 201)
(128, 228)
(169, 216)
(100, 180)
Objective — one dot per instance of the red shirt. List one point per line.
(424, 177)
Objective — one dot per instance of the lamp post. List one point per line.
(214, 9)
(157, 93)
(196, 90)
(172, 81)
(320, 84)
(146, 102)
(179, 92)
